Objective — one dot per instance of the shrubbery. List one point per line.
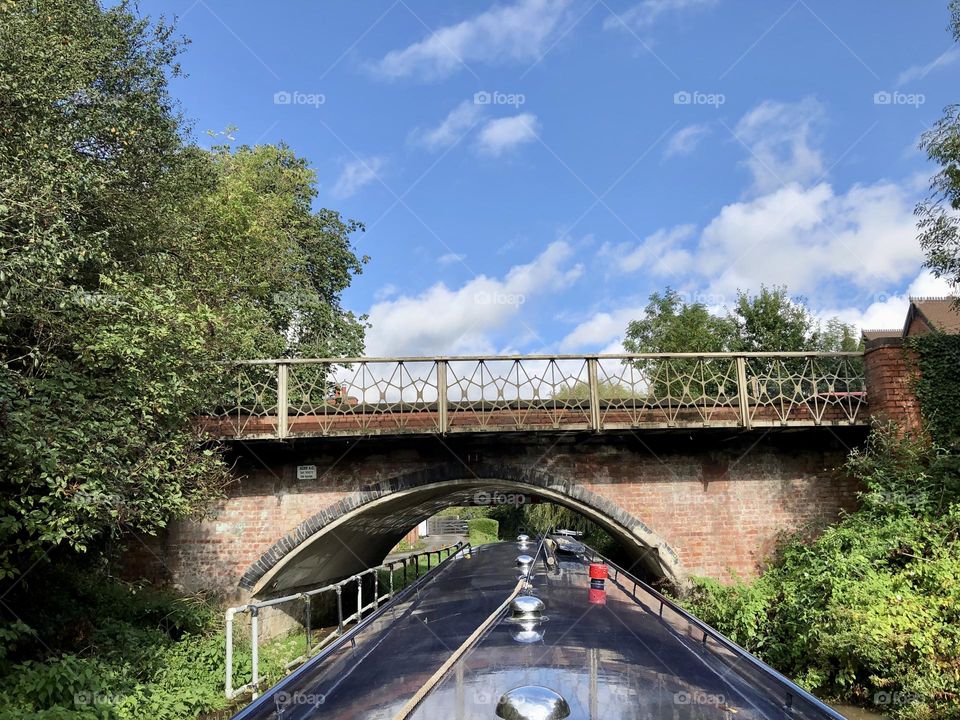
(91, 647)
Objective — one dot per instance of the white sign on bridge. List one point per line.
(306, 472)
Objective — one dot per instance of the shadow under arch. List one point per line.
(358, 531)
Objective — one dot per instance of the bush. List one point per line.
(483, 531)
(102, 649)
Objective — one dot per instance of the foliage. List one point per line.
(870, 609)
(132, 264)
(938, 222)
(115, 651)
(938, 387)
(544, 517)
(767, 322)
(482, 531)
(771, 322)
(671, 325)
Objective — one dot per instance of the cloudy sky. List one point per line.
(531, 170)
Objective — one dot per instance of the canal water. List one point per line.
(851, 712)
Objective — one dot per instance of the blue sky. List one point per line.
(531, 170)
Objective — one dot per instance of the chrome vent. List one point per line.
(532, 702)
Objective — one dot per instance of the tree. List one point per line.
(671, 325)
(132, 265)
(938, 223)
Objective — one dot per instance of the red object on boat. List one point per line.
(598, 571)
(598, 574)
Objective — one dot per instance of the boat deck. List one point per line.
(632, 657)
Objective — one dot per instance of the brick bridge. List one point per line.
(695, 463)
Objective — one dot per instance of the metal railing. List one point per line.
(371, 396)
(795, 700)
(300, 606)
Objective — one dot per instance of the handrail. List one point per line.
(300, 397)
(254, 608)
(718, 637)
(598, 356)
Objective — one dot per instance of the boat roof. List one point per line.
(636, 655)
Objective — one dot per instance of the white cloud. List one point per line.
(504, 33)
(457, 123)
(645, 14)
(356, 174)
(779, 138)
(805, 237)
(450, 258)
(658, 253)
(502, 134)
(685, 140)
(603, 329)
(460, 320)
(918, 72)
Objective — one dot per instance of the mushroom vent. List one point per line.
(524, 561)
(527, 607)
(532, 702)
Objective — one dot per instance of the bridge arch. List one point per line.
(360, 529)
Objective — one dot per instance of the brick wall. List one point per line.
(719, 499)
(891, 371)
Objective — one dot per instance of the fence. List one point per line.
(302, 609)
(371, 396)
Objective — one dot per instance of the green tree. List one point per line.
(773, 322)
(132, 265)
(938, 222)
(671, 325)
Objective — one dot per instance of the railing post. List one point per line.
(359, 598)
(743, 393)
(593, 386)
(443, 420)
(340, 609)
(307, 621)
(254, 649)
(283, 408)
(229, 660)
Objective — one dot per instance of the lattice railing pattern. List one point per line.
(358, 396)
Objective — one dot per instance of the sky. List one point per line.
(529, 171)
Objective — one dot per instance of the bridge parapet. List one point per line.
(285, 398)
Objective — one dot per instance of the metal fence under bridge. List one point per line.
(285, 398)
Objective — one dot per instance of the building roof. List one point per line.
(940, 313)
(877, 334)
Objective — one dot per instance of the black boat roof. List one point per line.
(637, 656)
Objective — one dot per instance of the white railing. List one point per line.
(370, 396)
(291, 611)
